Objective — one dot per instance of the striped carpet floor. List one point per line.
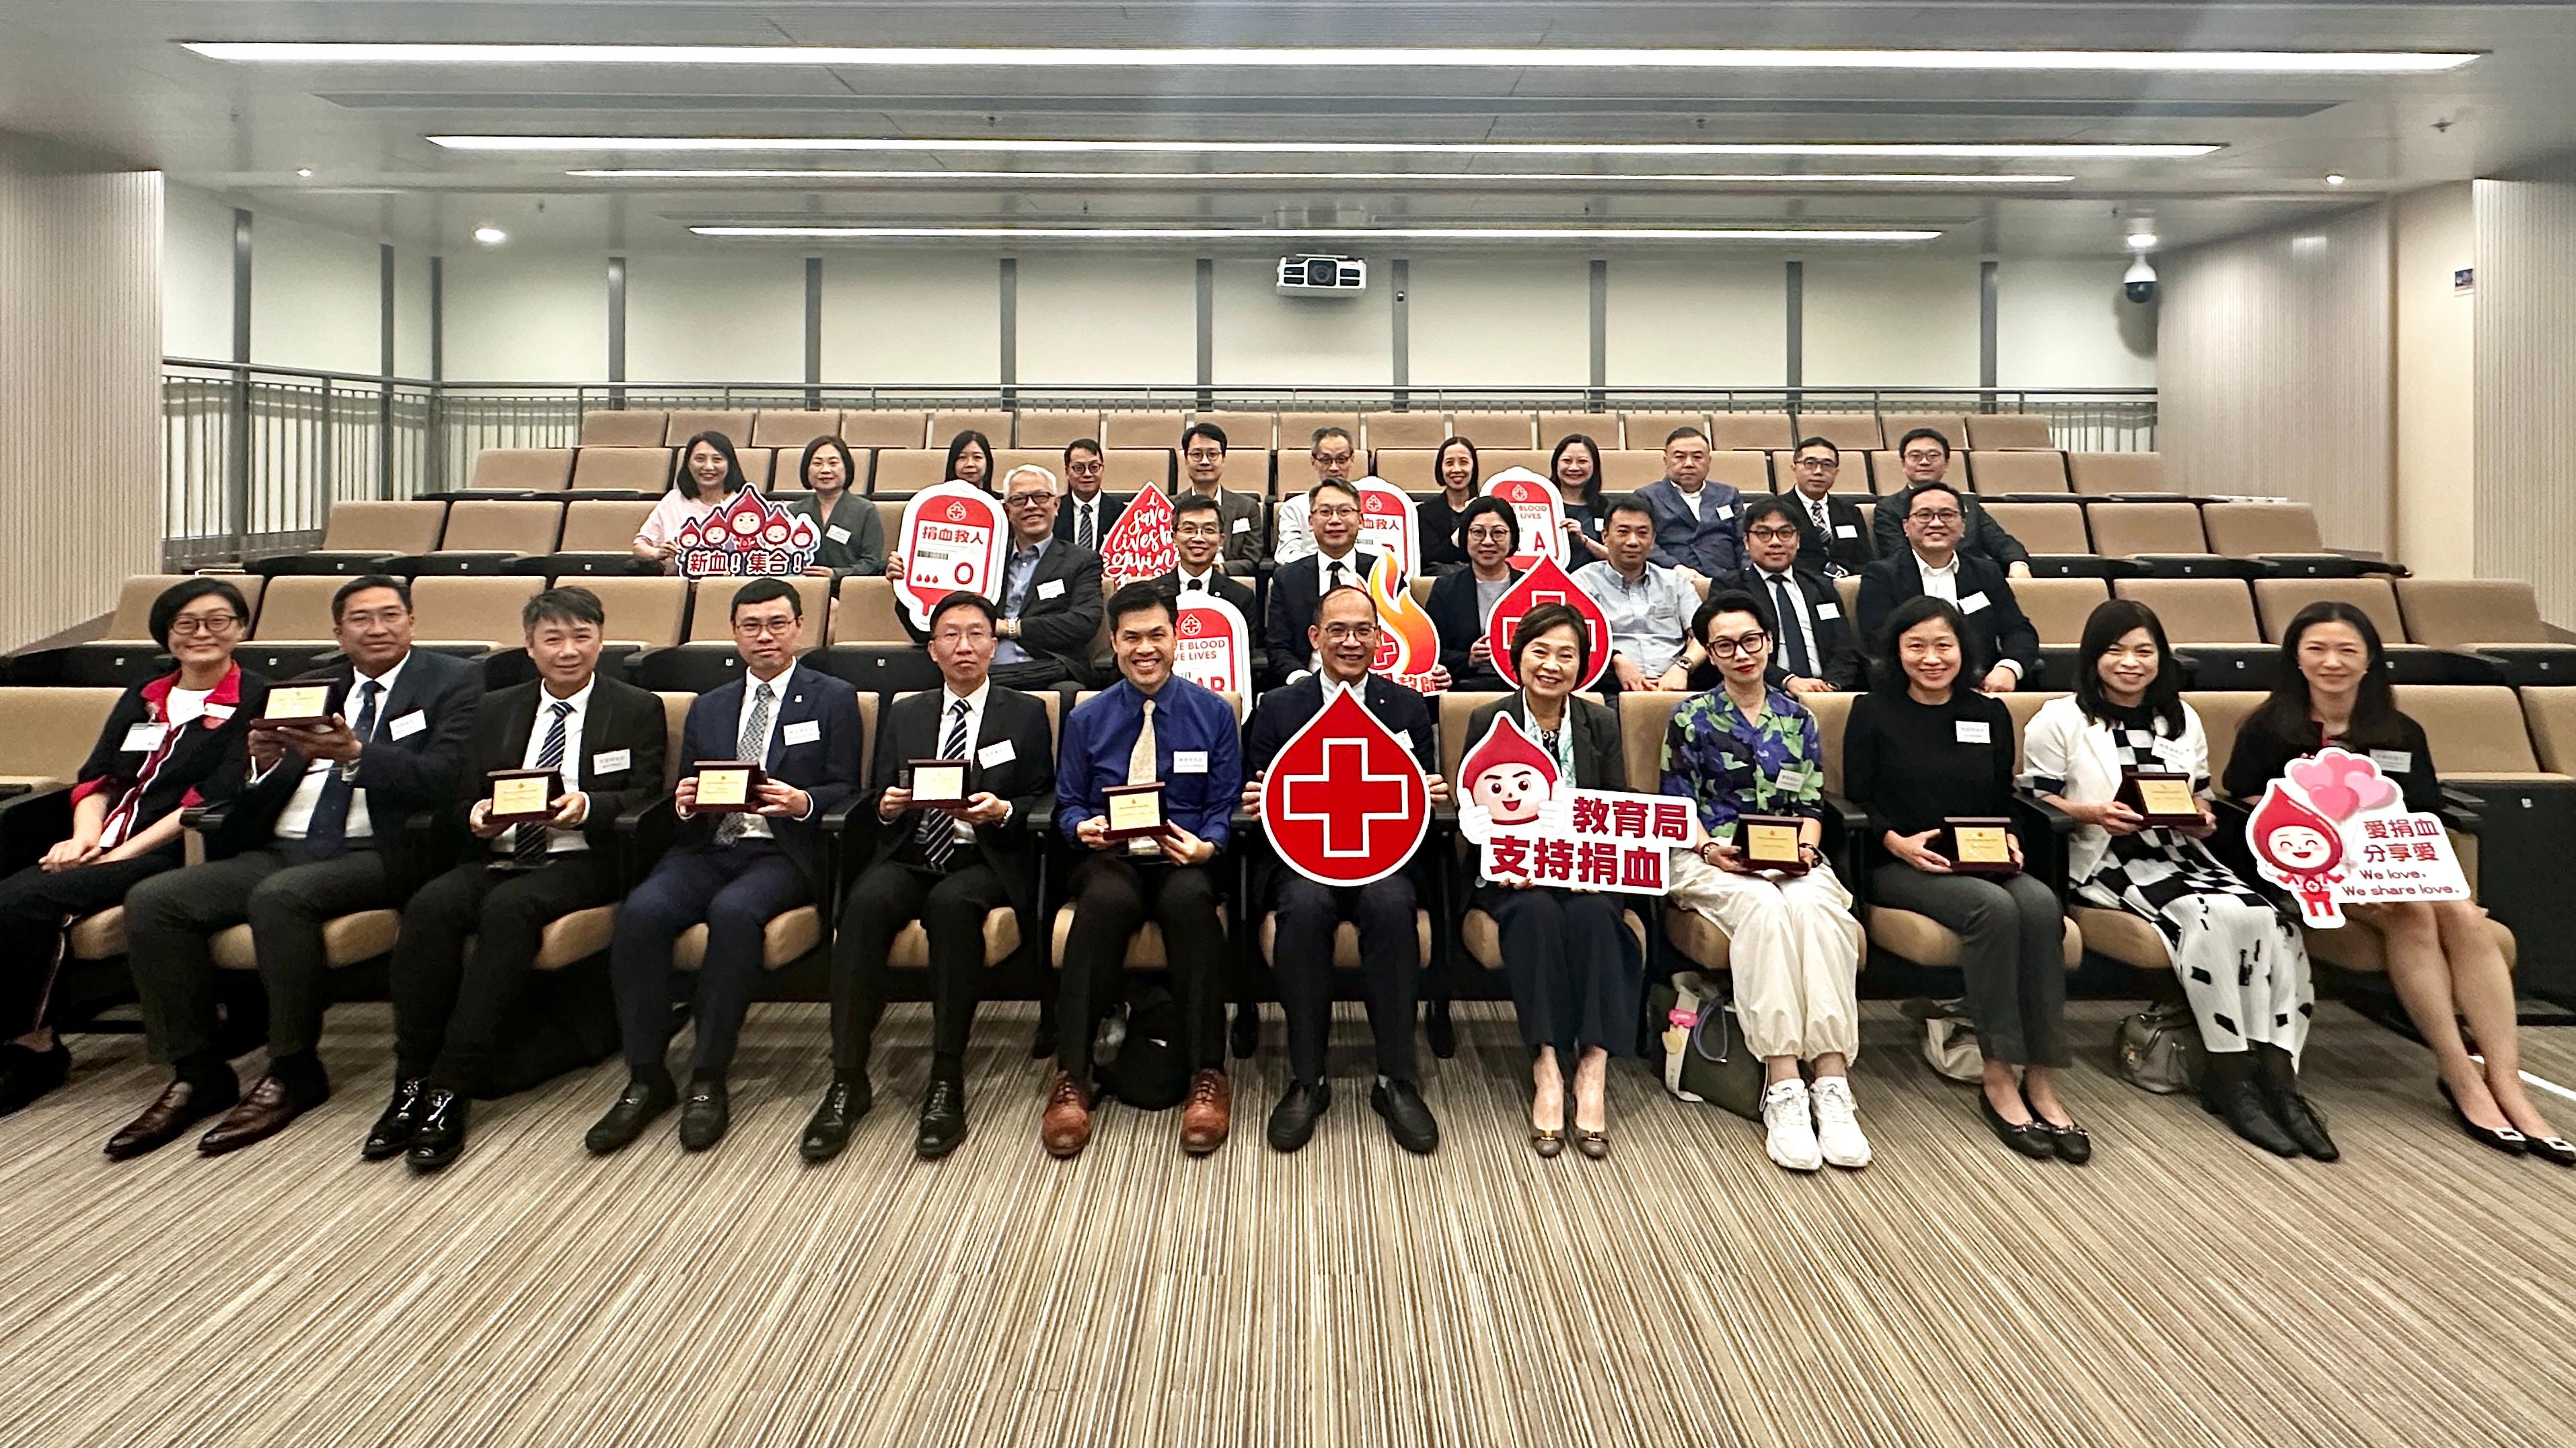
(2182, 1290)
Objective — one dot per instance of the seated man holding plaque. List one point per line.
(1344, 637)
(557, 759)
(1146, 785)
(1751, 758)
(761, 759)
(1931, 760)
(335, 765)
(958, 771)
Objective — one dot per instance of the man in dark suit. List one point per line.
(308, 839)
(1198, 539)
(1925, 455)
(1337, 562)
(1089, 512)
(1344, 637)
(1050, 591)
(1935, 564)
(735, 870)
(1817, 651)
(947, 870)
(455, 1012)
(1833, 537)
(1247, 542)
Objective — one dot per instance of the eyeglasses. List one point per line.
(1820, 465)
(1339, 631)
(763, 627)
(1744, 647)
(1083, 469)
(960, 635)
(1936, 515)
(1920, 456)
(204, 623)
(1204, 455)
(1772, 535)
(1337, 510)
(1489, 535)
(1030, 500)
(374, 617)
(1198, 530)
(1333, 459)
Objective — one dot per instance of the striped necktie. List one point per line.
(755, 734)
(938, 830)
(528, 846)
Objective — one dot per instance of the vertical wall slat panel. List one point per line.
(2526, 381)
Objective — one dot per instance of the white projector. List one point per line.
(1321, 275)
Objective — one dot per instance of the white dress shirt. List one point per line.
(558, 842)
(1943, 584)
(1189, 582)
(1295, 532)
(297, 817)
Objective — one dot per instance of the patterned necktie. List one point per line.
(937, 830)
(326, 835)
(1816, 510)
(1792, 637)
(1082, 526)
(528, 846)
(1141, 770)
(755, 734)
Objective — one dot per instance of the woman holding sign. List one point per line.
(1575, 468)
(1462, 600)
(170, 742)
(2442, 954)
(1578, 981)
(1932, 763)
(709, 474)
(853, 536)
(2128, 759)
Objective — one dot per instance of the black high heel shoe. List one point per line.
(2503, 1138)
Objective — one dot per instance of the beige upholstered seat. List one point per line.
(524, 469)
(711, 619)
(1624, 470)
(2278, 600)
(1924, 941)
(1055, 427)
(1492, 429)
(2008, 429)
(2125, 530)
(375, 527)
(789, 938)
(1887, 471)
(735, 424)
(471, 610)
(1242, 430)
(1750, 431)
(1152, 427)
(2197, 610)
(1144, 951)
(602, 525)
(2098, 475)
(2121, 936)
(792, 429)
(2057, 607)
(2457, 612)
(867, 614)
(1746, 472)
(2042, 527)
(1601, 427)
(47, 733)
(945, 425)
(901, 473)
(2018, 472)
(635, 469)
(884, 429)
(622, 428)
(346, 940)
(2551, 715)
(493, 526)
(2476, 731)
(1297, 430)
(1404, 429)
(2249, 530)
(1951, 426)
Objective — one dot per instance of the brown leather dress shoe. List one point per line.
(1207, 1112)
(1066, 1128)
(180, 1106)
(261, 1115)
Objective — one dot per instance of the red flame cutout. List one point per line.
(1345, 802)
(1546, 582)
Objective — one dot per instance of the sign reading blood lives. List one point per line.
(1139, 544)
(1388, 526)
(1545, 583)
(747, 537)
(1213, 648)
(951, 539)
(1539, 510)
(1345, 802)
(1408, 644)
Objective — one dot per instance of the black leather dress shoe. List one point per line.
(943, 1119)
(636, 1108)
(828, 1129)
(442, 1131)
(1292, 1121)
(2300, 1119)
(181, 1105)
(393, 1131)
(1408, 1120)
(265, 1112)
(2029, 1138)
(2241, 1106)
(705, 1110)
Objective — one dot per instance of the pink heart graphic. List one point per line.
(2375, 791)
(2324, 786)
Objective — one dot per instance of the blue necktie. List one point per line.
(938, 832)
(529, 846)
(326, 835)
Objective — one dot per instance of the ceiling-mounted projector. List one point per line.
(1320, 275)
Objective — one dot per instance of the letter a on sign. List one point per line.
(1540, 512)
(1345, 802)
(951, 540)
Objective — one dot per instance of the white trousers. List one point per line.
(1794, 950)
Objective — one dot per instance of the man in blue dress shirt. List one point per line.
(1695, 525)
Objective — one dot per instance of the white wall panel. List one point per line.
(315, 297)
(1496, 322)
(196, 275)
(906, 316)
(2526, 372)
(1697, 323)
(2066, 324)
(1261, 337)
(735, 317)
(526, 317)
(2437, 384)
(1088, 317)
(1884, 321)
(411, 312)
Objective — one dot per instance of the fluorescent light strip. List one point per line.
(1328, 59)
(1316, 233)
(1980, 150)
(1880, 178)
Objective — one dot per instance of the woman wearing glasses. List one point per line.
(1749, 749)
(170, 742)
(1456, 469)
(1461, 600)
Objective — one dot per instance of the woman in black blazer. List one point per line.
(1459, 601)
(1455, 471)
(169, 743)
(1577, 975)
(1575, 468)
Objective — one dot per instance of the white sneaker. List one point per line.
(1790, 1136)
(1838, 1124)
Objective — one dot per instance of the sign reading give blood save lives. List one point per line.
(1546, 582)
(951, 539)
(1345, 802)
(1539, 510)
(1139, 544)
(1212, 648)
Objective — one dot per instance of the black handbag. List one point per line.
(1701, 1049)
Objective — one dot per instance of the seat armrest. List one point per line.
(2461, 811)
(838, 818)
(1847, 835)
(2044, 853)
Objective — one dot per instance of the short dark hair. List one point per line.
(762, 590)
(1683, 431)
(1084, 444)
(2110, 622)
(1141, 597)
(1764, 505)
(1920, 433)
(1550, 616)
(363, 582)
(850, 478)
(1911, 614)
(1208, 430)
(1626, 503)
(165, 609)
(1328, 430)
(1336, 485)
(569, 604)
(734, 482)
(1935, 486)
(964, 598)
(1732, 600)
(1826, 443)
(1480, 507)
(1191, 501)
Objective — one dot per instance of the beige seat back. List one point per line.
(1601, 427)
(2058, 607)
(47, 733)
(2278, 600)
(499, 527)
(944, 427)
(448, 609)
(1455, 709)
(1493, 429)
(2043, 527)
(602, 525)
(902, 473)
(868, 614)
(639, 428)
(637, 469)
(2018, 472)
(373, 527)
(2098, 475)
(711, 616)
(2473, 729)
(1646, 431)
(2551, 716)
(1832, 712)
(1746, 472)
(1642, 720)
(1147, 428)
(1952, 427)
(1055, 427)
(2451, 612)
(734, 423)
(786, 428)
(2008, 429)
(1887, 471)
(2222, 713)
(297, 608)
(1296, 437)
(1403, 429)
(1751, 431)
(886, 429)
(2125, 530)
(1241, 429)
(1625, 470)
(2247, 530)
(524, 469)
(640, 610)
(2197, 610)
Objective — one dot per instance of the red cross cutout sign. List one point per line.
(1545, 583)
(1345, 802)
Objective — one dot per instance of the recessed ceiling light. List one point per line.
(489, 235)
(304, 171)
(2335, 178)
(2142, 241)
(1978, 150)
(1333, 58)
(1320, 233)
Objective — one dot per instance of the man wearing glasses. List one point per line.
(1332, 455)
(1925, 455)
(1934, 563)
(1198, 537)
(1050, 598)
(1337, 562)
(1089, 512)
(1833, 537)
(1817, 652)
(1203, 473)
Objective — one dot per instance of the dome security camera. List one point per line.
(2140, 282)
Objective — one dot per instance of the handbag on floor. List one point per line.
(1704, 1057)
(1949, 1039)
(2159, 1049)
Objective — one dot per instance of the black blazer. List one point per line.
(1838, 661)
(2003, 632)
(403, 773)
(1112, 508)
(1850, 553)
(1979, 533)
(1599, 762)
(1057, 621)
(1293, 590)
(1460, 623)
(204, 764)
(621, 719)
(909, 729)
(826, 767)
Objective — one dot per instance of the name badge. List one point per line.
(1973, 603)
(1976, 731)
(1792, 780)
(996, 754)
(1725, 512)
(408, 725)
(803, 731)
(837, 533)
(1052, 588)
(1241, 525)
(2393, 761)
(1829, 611)
(145, 737)
(2171, 752)
(1845, 530)
(611, 761)
(1405, 738)
(1189, 761)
